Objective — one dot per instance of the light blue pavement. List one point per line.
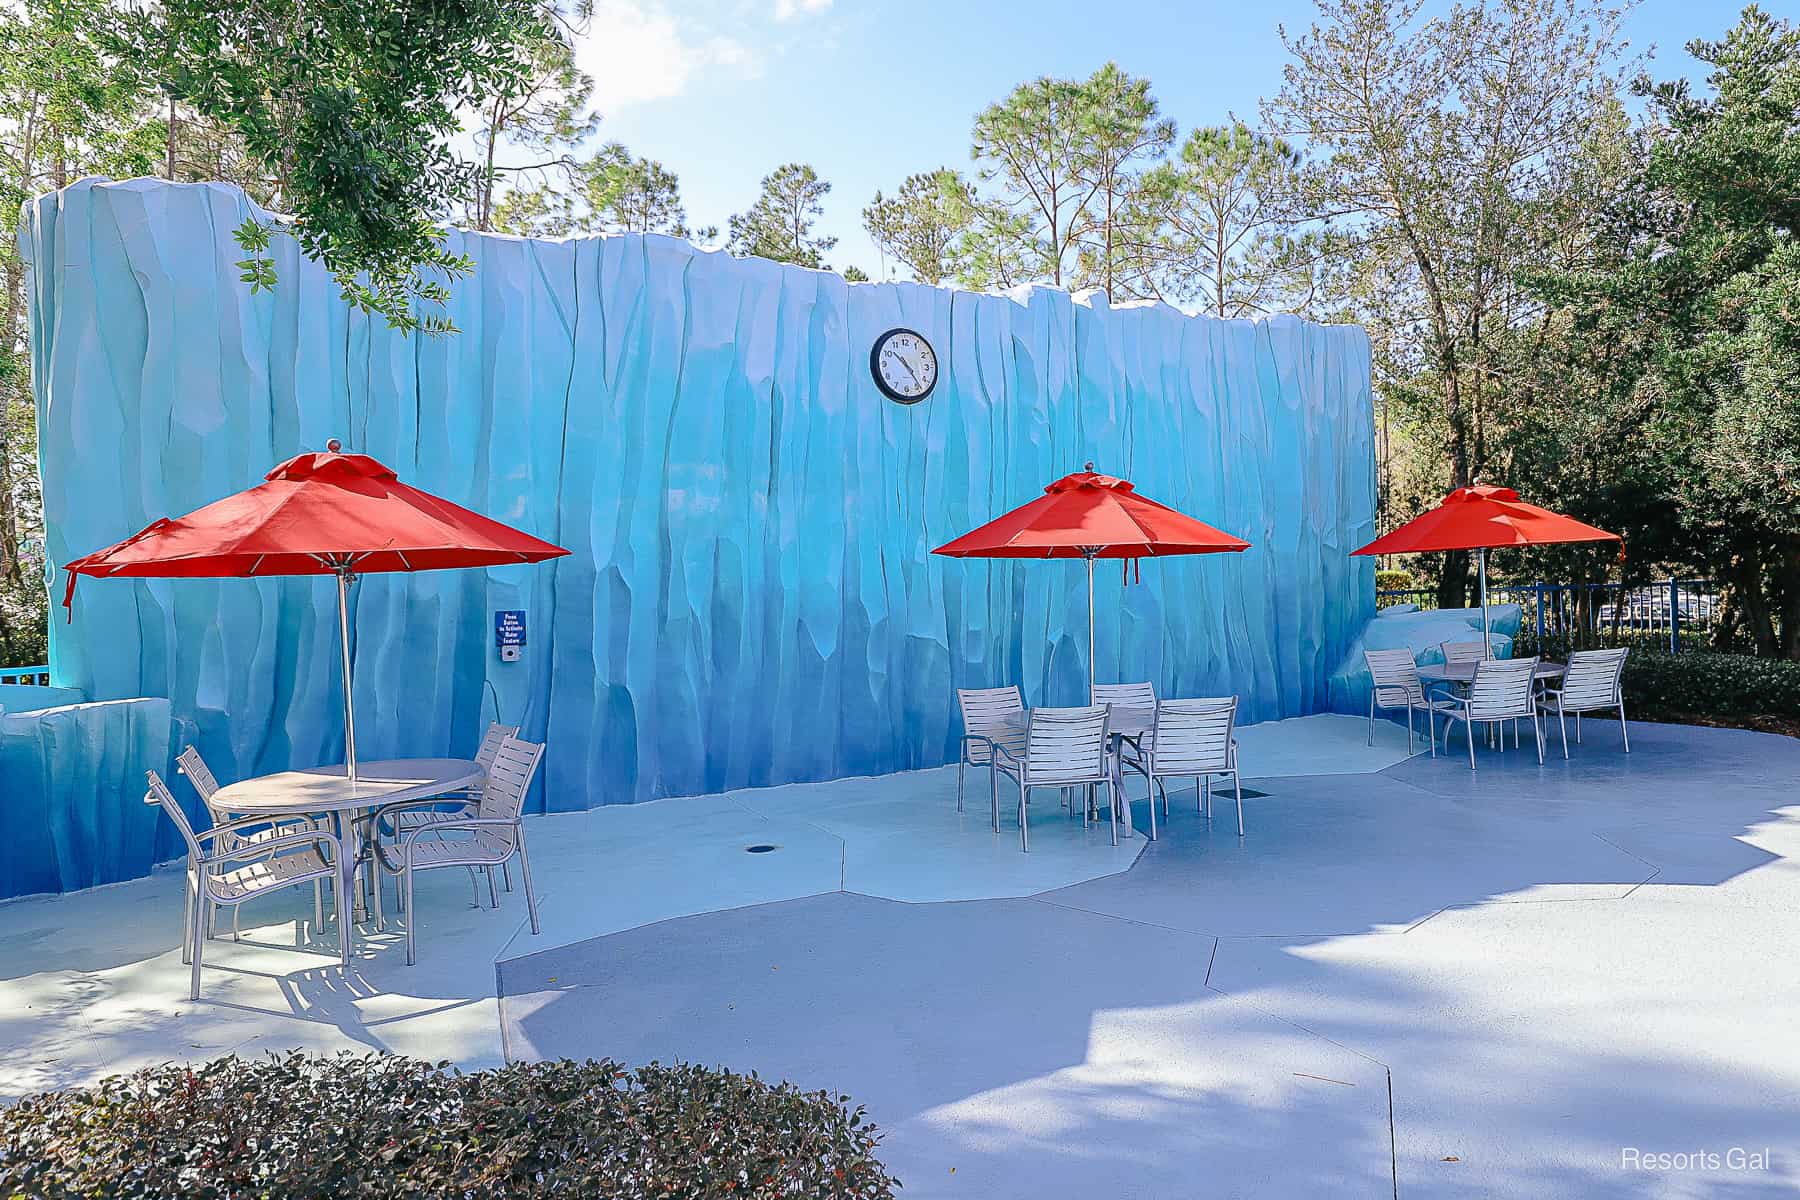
(1559, 967)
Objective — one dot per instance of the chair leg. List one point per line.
(493, 896)
(412, 915)
(506, 873)
(1623, 732)
(1024, 831)
(187, 920)
(994, 795)
(1371, 738)
(1578, 727)
(1562, 725)
(961, 760)
(1239, 785)
(1469, 727)
(525, 871)
(1409, 730)
(1112, 808)
(375, 879)
(318, 906)
(196, 942)
(1431, 731)
(237, 933)
(474, 886)
(1538, 728)
(1149, 802)
(1206, 795)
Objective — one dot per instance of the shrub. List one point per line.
(378, 1126)
(1395, 581)
(1712, 685)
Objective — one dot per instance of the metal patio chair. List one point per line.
(441, 812)
(991, 717)
(1127, 695)
(494, 835)
(1464, 652)
(1192, 739)
(1396, 684)
(205, 784)
(1064, 748)
(1593, 682)
(240, 867)
(1503, 690)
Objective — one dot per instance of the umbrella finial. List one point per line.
(1087, 466)
(334, 446)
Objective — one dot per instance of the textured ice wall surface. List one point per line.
(751, 599)
(1424, 633)
(72, 811)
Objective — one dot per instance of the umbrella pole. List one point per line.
(343, 589)
(1487, 647)
(1091, 672)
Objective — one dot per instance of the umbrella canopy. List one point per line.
(1086, 515)
(1482, 518)
(317, 514)
(1090, 516)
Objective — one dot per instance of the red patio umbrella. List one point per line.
(1091, 516)
(1482, 518)
(317, 514)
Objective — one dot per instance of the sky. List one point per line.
(869, 91)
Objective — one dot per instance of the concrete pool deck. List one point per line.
(1406, 979)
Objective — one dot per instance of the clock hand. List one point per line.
(909, 369)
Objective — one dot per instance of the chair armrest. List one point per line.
(407, 838)
(385, 810)
(1003, 752)
(264, 849)
(239, 824)
(963, 745)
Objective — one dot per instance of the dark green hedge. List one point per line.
(378, 1126)
(1712, 685)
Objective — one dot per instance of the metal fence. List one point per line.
(38, 676)
(1672, 614)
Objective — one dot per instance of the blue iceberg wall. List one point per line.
(750, 599)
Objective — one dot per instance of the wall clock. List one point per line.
(904, 365)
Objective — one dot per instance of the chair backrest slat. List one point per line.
(995, 713)
(1396, 677)
(1594, 678)
(515, 762)
(159, 793)
(1464, 652)
(1126, 695)
(1502, 688)
(1066, 743)
(491, 738)
(1193, 736)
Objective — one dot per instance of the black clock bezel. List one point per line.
(875, 367)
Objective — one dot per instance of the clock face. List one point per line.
(904, 365)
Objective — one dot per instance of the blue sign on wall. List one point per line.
(509, 627)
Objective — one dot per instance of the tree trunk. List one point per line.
(169, 168)
(1747, 584)
(1787, 580)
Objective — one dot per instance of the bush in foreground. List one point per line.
(379, 1126)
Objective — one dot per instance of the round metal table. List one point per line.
(328, 790)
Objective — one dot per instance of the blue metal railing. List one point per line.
(30, 676)
(1670, 614)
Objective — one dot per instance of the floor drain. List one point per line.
(760, 848)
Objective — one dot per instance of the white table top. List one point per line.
(326, 789)
(1464, 672)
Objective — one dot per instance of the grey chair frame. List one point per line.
(991, 717)
(193, 768)
(1064, 748)
(315, 852)
(1394, 683)
(1593, 682)
(1504, 689)
(500, 812)
(1194, 739)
